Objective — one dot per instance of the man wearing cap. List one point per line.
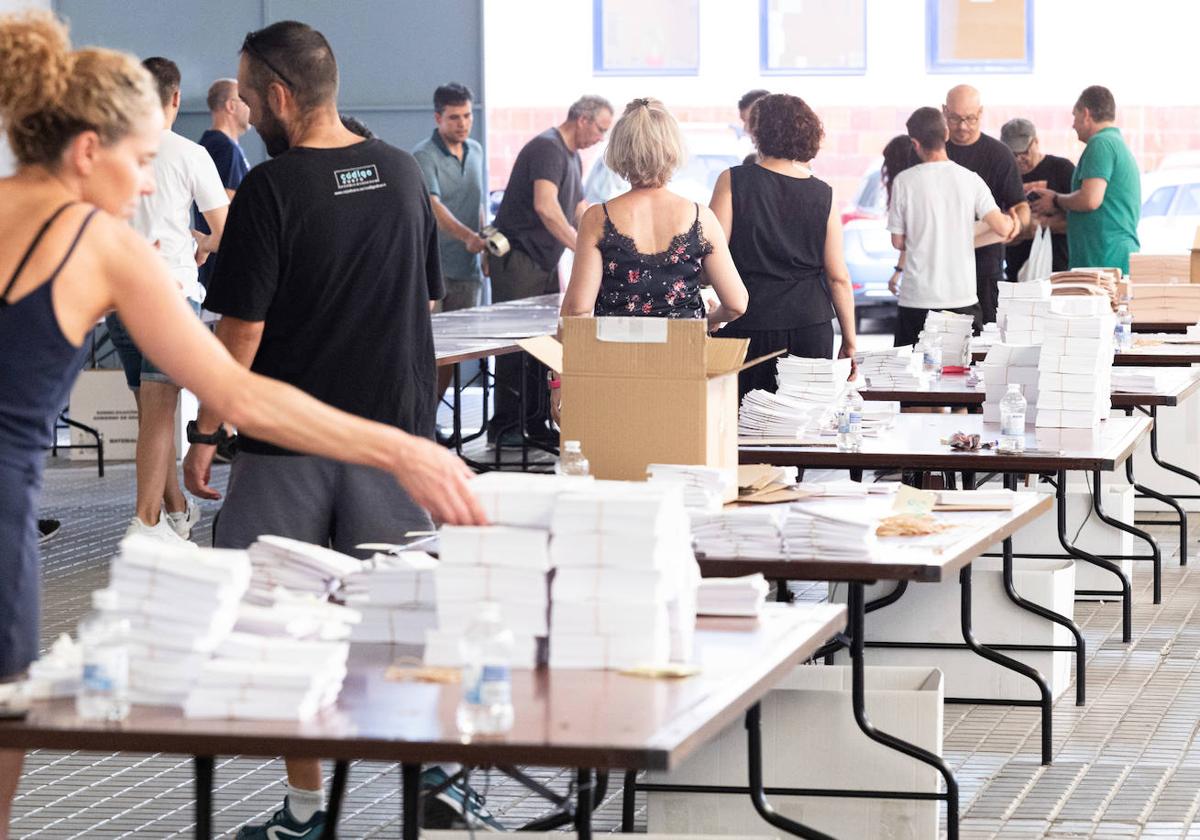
(1039, 171)
(992, 161)
(1105, 201)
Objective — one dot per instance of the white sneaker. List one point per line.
(162, 531)
(183, 521)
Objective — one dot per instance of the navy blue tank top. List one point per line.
(37, 363)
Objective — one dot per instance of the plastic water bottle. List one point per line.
(486, 707)
(931, 357)
(1012, 420)
(573, 461)
(1124, 329)
(104, 638)
(849, 421)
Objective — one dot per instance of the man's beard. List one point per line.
(273, 134)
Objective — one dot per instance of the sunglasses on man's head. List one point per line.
(248, 46)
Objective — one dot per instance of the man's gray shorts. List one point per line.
(315, 500)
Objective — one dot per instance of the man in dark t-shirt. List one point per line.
(541, 207)
(230, 120)
(1039, 171)
(992, 161)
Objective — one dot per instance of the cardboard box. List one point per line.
(1041, 535)
(101, 399)
(1159, 268)
(812, 709)
(1194, 274)
(641, 391)
(929, 612)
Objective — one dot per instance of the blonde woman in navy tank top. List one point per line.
(84, 126)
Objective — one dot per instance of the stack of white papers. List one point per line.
(895, 367)
(1010, 364)
(838, 531)
(296, 566)
(181, 603)
(1019, 311)
(750, 533)
(525, 500)
(817, 381)
(268, 678)
(624, 589)
(954, 331)
(395, 595)
(1075, 381)
(1144, 380)
(704, 488)
(297, 616)
(741, 596)
(764, 414)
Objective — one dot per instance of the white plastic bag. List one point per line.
(1040, 264)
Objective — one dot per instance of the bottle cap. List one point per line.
(572, 446)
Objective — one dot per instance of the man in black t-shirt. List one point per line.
(327, 271)
(541, 207)
(1039, 171)
(992, 161)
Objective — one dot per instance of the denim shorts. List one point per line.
(137, 367)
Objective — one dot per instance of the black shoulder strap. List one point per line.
(32, 247)
(78, 235)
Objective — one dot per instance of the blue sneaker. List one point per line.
(282, 826)
(455, 805)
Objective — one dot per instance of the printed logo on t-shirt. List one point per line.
(357, 179)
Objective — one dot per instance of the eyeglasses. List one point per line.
(955, 119)
(248, 46)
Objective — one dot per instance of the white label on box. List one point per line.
(632, 330)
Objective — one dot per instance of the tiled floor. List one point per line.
(1126, 766)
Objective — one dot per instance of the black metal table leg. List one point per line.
(337, 789)
(1155, 556)
(1126, 590)
(1047, 702)
(410, 788)
(583, 811)
(204, 786)
(1166, 500)
(628, 802)
(758, 794)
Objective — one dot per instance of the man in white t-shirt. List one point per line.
(183, 173)
(934, 207)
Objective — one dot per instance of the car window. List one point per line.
(1188, 203)
(1158, 202)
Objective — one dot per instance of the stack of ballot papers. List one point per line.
(525, 500)
(181, 602)
(1145, 380)
(986, 338)
(1010, 364)
(1019, 310)
(749, 533)
(1075, 371)
(764, 414)
(704, 488)
(624, 587)
(297, 616)
(1160, 268)
(954, 332)
(1177, 303)
(501, 564)
(819, 382)
(740, 596)
(836, 530)
(893, 368)
(395, 595)
(1087, 282)
(255, 677)
(296, 566)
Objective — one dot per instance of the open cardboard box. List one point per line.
(1195, 272)
(640, 391)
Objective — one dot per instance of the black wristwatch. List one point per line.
(194, 435)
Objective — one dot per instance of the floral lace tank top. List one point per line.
(665, 285)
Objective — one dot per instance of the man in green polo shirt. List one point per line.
(1105, 201)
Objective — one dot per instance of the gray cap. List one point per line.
(1017, 134)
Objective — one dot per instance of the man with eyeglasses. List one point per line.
(1039, 171)
(992, 161)
(541, 207)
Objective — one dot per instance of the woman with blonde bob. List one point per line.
(648, 251)
(84, 126)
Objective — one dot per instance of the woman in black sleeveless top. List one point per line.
(786, 240)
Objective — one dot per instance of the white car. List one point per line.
(1170, 210)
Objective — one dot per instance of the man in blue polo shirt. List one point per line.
(452, 164)
(230, 120)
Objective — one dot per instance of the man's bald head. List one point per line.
(964, 114)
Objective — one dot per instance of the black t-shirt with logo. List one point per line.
(994, 162)
(1054, 173)
(336, 251)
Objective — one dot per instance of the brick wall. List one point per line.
(854, 137)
